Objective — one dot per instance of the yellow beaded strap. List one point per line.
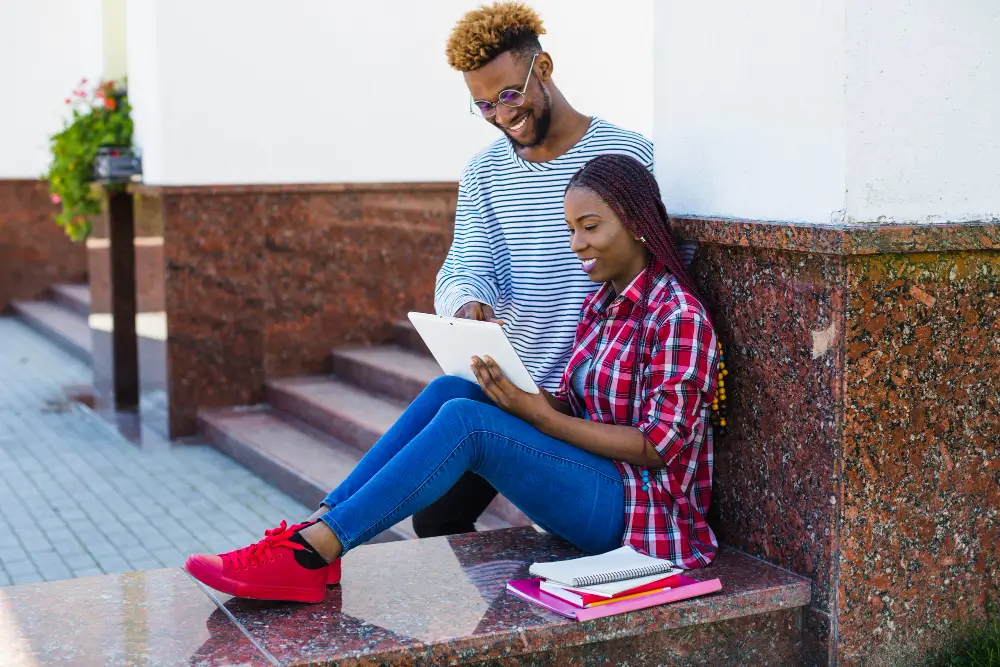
(720, 412)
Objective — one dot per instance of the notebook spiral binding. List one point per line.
(621, 575)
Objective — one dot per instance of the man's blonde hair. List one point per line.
(485, 33)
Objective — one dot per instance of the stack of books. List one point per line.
(612, 583)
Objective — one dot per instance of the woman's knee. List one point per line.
(467, 409)
(464, 417)
(450, 387)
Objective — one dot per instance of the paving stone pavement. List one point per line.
(77, 499)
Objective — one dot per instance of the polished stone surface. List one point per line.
(920, 517)
(416, 602)
(773, 639)
(159, 617)
(261, 281)
(863, 448)
(35, 253)
(436, 600)
(775, 483)
(840, 239)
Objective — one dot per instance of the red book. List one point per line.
(582, 598)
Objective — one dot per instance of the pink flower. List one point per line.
(83, 81)
(69, 101)
(56, 199)
(79, 93)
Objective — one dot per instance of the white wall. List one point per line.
(829, 110)
(750, 109)
(255, 91)
(46, 47)
(114, 38)
(923, 104)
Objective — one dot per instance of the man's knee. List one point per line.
(457, 510)
(429, 523)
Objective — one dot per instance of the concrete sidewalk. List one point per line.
(77, 499)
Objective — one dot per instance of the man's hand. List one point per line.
(532, 408)
(477, 311)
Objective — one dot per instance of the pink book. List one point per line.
(684, 589)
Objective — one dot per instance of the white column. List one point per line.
(113, 23)
(829, 111)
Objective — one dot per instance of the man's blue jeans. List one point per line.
(451, 428)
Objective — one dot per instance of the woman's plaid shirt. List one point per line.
(677, 369)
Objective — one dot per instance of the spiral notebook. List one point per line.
(618, 565)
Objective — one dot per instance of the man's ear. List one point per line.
(544, 66)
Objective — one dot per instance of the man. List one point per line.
(510, 260)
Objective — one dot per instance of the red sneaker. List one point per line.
(333, 578)
(266, 570)
(334, 569)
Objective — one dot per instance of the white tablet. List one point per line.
(453, 342)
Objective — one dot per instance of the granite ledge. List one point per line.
(292, 188)
(455, 611)
(845, 239)
(459, 612)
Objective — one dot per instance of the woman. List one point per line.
(620, 454)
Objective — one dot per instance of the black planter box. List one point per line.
(116, 164)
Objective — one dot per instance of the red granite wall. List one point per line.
(777, 469)
(865, 445)
(262, 281)
(920, 515)
(34, 252)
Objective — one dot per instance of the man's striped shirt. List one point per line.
(511, 246)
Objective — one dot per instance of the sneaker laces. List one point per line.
(261, 551)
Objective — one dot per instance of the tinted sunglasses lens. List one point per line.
(511, 98)
(484, 109)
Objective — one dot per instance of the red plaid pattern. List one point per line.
(678, 366)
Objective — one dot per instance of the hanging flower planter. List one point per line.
(94, 145)
(116, 164)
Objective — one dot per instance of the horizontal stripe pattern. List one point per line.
(511, 246)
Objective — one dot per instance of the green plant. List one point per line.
(101, 117)
(978, 646)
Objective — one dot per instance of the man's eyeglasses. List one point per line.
(509, 98)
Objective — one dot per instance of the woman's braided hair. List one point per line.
(624, 184)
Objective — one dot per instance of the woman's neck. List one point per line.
(621, 283)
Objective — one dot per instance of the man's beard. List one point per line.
(543, 121)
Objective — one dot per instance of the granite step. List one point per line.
(443, 601)
(72, 296)
(341, 410)
(407, 337)
(61, 325)
(358, 418)
(388, 370)
(416, 602)
(295, 458)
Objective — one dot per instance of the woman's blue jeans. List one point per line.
(451, 428)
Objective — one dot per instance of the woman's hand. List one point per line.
(532, 408)
(619, 443)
